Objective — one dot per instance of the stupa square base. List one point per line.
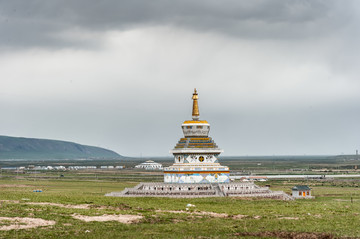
(198, 190)
(197, 177)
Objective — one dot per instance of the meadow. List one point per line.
(334, 213)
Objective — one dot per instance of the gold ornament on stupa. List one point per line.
(195, 109)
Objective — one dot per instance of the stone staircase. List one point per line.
(218, 190)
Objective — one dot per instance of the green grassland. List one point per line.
(334, 213)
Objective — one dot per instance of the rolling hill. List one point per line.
(31, 148)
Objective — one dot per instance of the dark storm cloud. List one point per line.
(274, 77)
(42, 23)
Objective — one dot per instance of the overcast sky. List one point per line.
(274, 77)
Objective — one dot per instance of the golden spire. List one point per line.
(195, 110)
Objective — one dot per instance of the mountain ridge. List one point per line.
(35, 148)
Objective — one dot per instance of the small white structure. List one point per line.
(301, 191)
(60, 168)
(90, 167)
(150, 165)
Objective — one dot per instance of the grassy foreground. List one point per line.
(335, 213)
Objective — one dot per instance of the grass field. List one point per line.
(334, 213)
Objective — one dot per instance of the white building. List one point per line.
(150, 165)
(301, 191)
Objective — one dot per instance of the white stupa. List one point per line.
(196, 171)
(196, 154)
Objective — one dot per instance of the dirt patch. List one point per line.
(123, 206)
(17, 223)
(239, 216)
(104, 218)
(71, 206)
(79, 206)
(14, 186)
(74, 206)
(287, 235)
(289, 218)
(346, 200)
(9, 201)
(201, 213)
(212, 214)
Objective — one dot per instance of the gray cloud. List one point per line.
(274, 77)
(41, 23)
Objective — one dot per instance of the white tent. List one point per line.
(150, 165)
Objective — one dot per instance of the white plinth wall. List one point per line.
(195, 157)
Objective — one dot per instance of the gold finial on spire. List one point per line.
(195, 110)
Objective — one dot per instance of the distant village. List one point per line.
(148, 165)
(60, 168)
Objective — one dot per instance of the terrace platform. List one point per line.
(197, 190)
